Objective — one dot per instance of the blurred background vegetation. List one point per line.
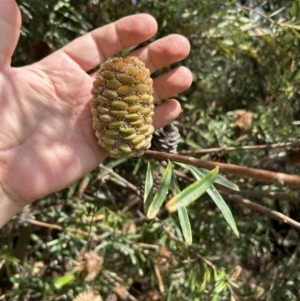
(94, 236)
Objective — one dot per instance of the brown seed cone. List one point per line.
(242, 119)
(165, 260)
(90, 263)
(122, 107)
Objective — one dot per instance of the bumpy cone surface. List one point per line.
(166, 139)
(122, 107)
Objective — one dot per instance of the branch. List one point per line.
(272, 213)
(282, 24)
(241, 148)
(269, 194)
(67, 229)
(116, 175)
(243, 171)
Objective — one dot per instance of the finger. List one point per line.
(172, 83)
(166, 113)
(164, 52)
(10, 24)
(91, 49)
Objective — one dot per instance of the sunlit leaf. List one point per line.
(192, 192)
(215, 297)
(183, 217)
(64, 280)
(161, 193)
(185, 225)
(148, 191)
(219, 180)
(9, 258)
(277, 12)
(218, 199)
(206, 278)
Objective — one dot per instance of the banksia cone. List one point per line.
(122, 107)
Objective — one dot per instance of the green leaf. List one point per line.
(218, 199)
(295, 9)
(148, 192)
(185, 225)
(9, 258)
(296, 75)
(206, 278)
(215, 297)
(161, 192)
(192, 192)
(219, 180)
(64, 280)
(221, 287)
(183, 217)
(175, 184)
(277, 12)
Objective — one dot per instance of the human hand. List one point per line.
(46, 135)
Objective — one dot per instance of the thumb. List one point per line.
(10, 24)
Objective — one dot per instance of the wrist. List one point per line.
(8, 208)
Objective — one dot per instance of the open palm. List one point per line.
(46, 135)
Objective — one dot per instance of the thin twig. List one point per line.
(232, 292)
(243, 171)
(187, 247)
(83, 186)
(258, 13)
(159, 279)
(72, 230)
(272, 213)
(240, 148)
(148, 246)
(270, 194)
(116, 175)
(115, 280)
(131, 204)
(282, 24)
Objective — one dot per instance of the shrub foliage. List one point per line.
(243, 108)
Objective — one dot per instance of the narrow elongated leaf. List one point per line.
(183, 217)
(277, 12)
(175, 184)
(185, 225)
(192, 192)
(148, 191)
(161, 192)
(64, 280)
(220, 180)
(9, 258)
(218, 199)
